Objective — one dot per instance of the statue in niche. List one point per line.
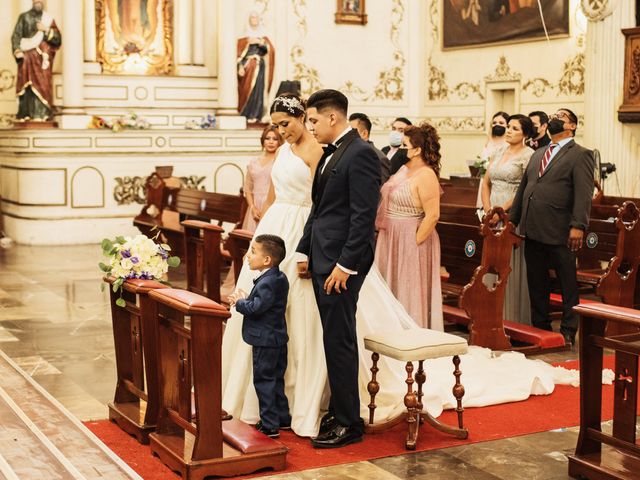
(256, 59)
(134, 23)
(34, 42)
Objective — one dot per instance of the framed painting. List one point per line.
(351, 11)
(135, 36)
(470, 23)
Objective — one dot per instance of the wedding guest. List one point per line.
(506, 167)
(264, 328)
(408, 247)
(496, 137)
(258, 178)
(539, 137)
(362, 124)
(396, 155)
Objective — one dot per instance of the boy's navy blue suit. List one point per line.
(264, 327)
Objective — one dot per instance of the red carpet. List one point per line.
(537, 414)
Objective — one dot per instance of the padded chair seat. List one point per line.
(415, 344)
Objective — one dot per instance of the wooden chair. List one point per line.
(238, 243)
(203, 257)
(189, 357)
(601, 455)
(416, 345)
(135, 405)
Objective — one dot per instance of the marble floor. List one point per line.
(55, 323)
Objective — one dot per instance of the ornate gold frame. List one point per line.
(114, 62)
(359, 18)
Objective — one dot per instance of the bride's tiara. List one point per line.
(292, 104)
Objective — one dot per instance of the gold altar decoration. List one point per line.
(135, 36)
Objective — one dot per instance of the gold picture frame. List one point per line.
(351, 12)
(133, 42)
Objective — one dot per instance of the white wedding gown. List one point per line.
(487, 380)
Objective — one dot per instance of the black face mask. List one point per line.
(534, 133)
(555, 126)
(498, 130)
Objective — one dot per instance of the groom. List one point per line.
(337, 246)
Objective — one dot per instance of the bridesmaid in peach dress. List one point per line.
(258, 179)
(408, 248)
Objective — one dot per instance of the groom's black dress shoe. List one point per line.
(327, 423)
(339, 436)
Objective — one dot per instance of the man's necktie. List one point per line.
(547, 158)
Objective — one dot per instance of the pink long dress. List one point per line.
(256, 183)
(412, 271)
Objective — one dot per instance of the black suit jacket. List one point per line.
(547, 207)
(264, 323)
(399, 158)
(340, 227)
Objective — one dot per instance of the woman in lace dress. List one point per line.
(506, 168)
(258, 178)
(408, 247)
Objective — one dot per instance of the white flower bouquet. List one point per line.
(135, 257)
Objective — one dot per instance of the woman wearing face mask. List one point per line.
(408, 247)
(257, 180)
(497, 138)
(506, 167)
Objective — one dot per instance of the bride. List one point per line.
(306, 385)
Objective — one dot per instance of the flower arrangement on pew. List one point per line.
(136, 257)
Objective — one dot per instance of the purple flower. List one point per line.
(125, 253)
(134, 260)
(163, 253)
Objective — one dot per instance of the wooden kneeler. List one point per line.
(134, 408)
(415, 345)
(190, 357)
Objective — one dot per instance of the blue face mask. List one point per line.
(395, 138)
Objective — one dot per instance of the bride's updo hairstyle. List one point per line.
(426, 137)
(290, 104)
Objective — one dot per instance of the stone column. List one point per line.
(184, 28)
(618, 143)
(73, 114)
(89, 31)
(198, 32)
(227, 113)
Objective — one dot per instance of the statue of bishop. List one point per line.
(35, 41)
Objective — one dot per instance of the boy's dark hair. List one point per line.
(363, 120)
(329, 98)
(404, 120)
(273, 246)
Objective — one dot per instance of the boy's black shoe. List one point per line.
(272, 433)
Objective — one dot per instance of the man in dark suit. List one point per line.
(539, 138)
(362, 124)
(551, 207)
(338, 241)
(396, 155)
(264, 327)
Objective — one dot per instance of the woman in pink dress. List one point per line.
(258, 179)
(408, 248)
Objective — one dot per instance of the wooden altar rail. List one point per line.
(135, 405)
(203, 257)
(189, 356)
(238, 244)
(620, 457)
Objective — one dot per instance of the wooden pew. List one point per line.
(189, 356)
(469, 252)
(135, 405)
(620, 457)
(238, 243)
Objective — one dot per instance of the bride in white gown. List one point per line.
(487, 380)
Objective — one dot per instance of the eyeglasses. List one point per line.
(562, 116)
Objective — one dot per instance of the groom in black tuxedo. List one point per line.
(338, 246)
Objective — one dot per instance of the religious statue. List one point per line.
(35, 40)
(256, 58)
(134, 23)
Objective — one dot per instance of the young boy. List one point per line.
(264, 327)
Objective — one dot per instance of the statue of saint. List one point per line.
(256, 59)
(35, 40)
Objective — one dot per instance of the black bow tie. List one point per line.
(329, 149)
